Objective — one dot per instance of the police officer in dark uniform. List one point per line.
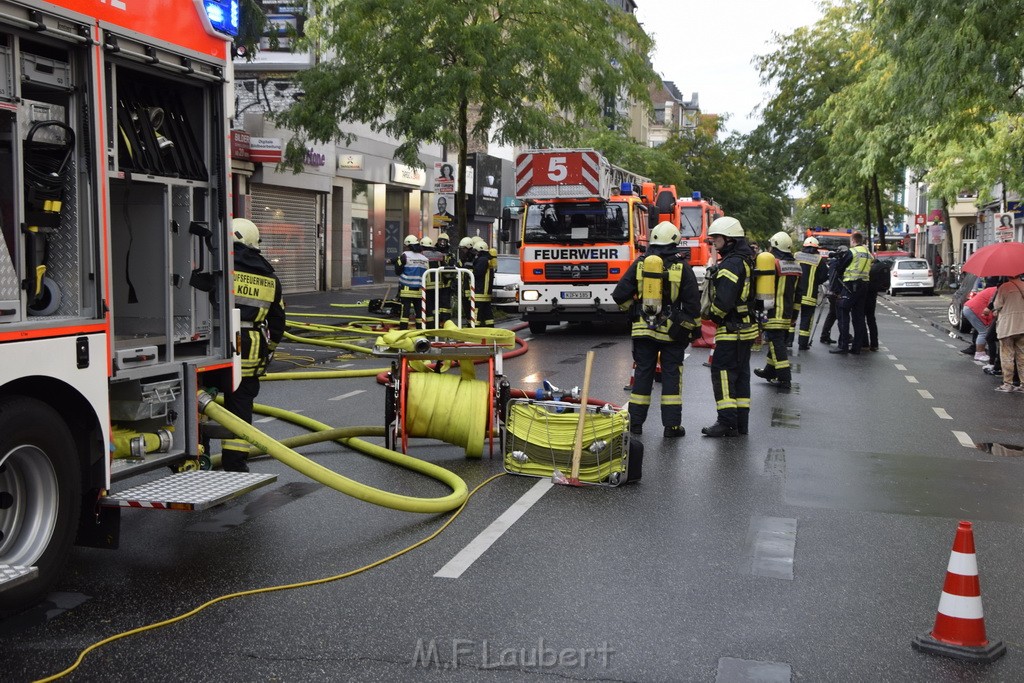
(259, 300)
(730, 309)
(665, 319)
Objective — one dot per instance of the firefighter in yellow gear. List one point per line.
(662, 294)
(261, 304)
(484, 264)
(783, 272)
(730, 308)
(812, 263)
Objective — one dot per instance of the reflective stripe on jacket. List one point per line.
(860, 265)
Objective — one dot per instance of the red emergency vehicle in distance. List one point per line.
(581, 225)
(829, 240)
(696, 214)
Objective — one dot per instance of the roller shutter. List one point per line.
(287, 220)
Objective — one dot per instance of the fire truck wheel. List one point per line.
(537, 327)
(40, 495)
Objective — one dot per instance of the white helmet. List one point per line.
(664, 234)
(727, 226)
(411, 240)
(781, 241)
(479, 244)
(466, 243)
(246, 232)
(443, 236)
(811, 242)
(426, 242)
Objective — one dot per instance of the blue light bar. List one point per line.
(626, 188)
(696, 195)
(222, 16)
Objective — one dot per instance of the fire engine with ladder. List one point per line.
(116, 301)
(583, 222)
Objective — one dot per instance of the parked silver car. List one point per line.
(911, 275)
(507, 281)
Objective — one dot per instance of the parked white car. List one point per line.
(911, 275)
(507, 281)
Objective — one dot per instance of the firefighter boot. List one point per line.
(742, 420)
(233, 461)
(765, 373)
(674, 432)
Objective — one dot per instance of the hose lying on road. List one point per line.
(346, 435)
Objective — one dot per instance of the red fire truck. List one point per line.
(582, 223)
(116, 304)
(695, 216)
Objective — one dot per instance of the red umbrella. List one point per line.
(1001, 258)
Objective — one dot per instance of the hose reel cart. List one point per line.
(421, 400)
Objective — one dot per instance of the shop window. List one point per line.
(361, 242)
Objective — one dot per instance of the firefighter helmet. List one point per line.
(411, 240)
(246, 232)
(664, 234)
(811, 242)
(466, 243)
(781, 241)
(479, 244)
(726, 226)
(427, 242)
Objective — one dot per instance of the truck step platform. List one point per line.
(11, 575)
(189, 490)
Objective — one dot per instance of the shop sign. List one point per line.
(407, 175)
(351, 162)
(314, 158)
(266, 150)
(240, 141)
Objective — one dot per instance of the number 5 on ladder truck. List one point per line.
(117, 315)
(582, 223)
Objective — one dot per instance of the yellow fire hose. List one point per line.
(243, 430)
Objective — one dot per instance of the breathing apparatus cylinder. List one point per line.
(651, 288)
(764, 279)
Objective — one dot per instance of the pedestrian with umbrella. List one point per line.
(1005, 259)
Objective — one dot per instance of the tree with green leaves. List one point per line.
(527, 72)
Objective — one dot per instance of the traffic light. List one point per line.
(825, 208)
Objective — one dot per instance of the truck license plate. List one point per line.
(576, 295)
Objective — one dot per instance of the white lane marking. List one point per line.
(925, 394)
(271, 418)
(964, 440)
(950, 346)
(911, 379)
(342, 367)
(348, 395)
(901, 367)
(892, 357)
(931, 335)
(941, 412)
(486, 538)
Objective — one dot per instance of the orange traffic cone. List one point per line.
(959, 630)
(632, 373)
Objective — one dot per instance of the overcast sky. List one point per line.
(706, 47)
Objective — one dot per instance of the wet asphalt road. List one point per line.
(813, 549)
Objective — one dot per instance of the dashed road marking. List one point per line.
(348, 395)
(964, 440)
(892, 357)
(486, 538)
(901, 367)
(941, 412)
(911, 379)
(925, 394)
